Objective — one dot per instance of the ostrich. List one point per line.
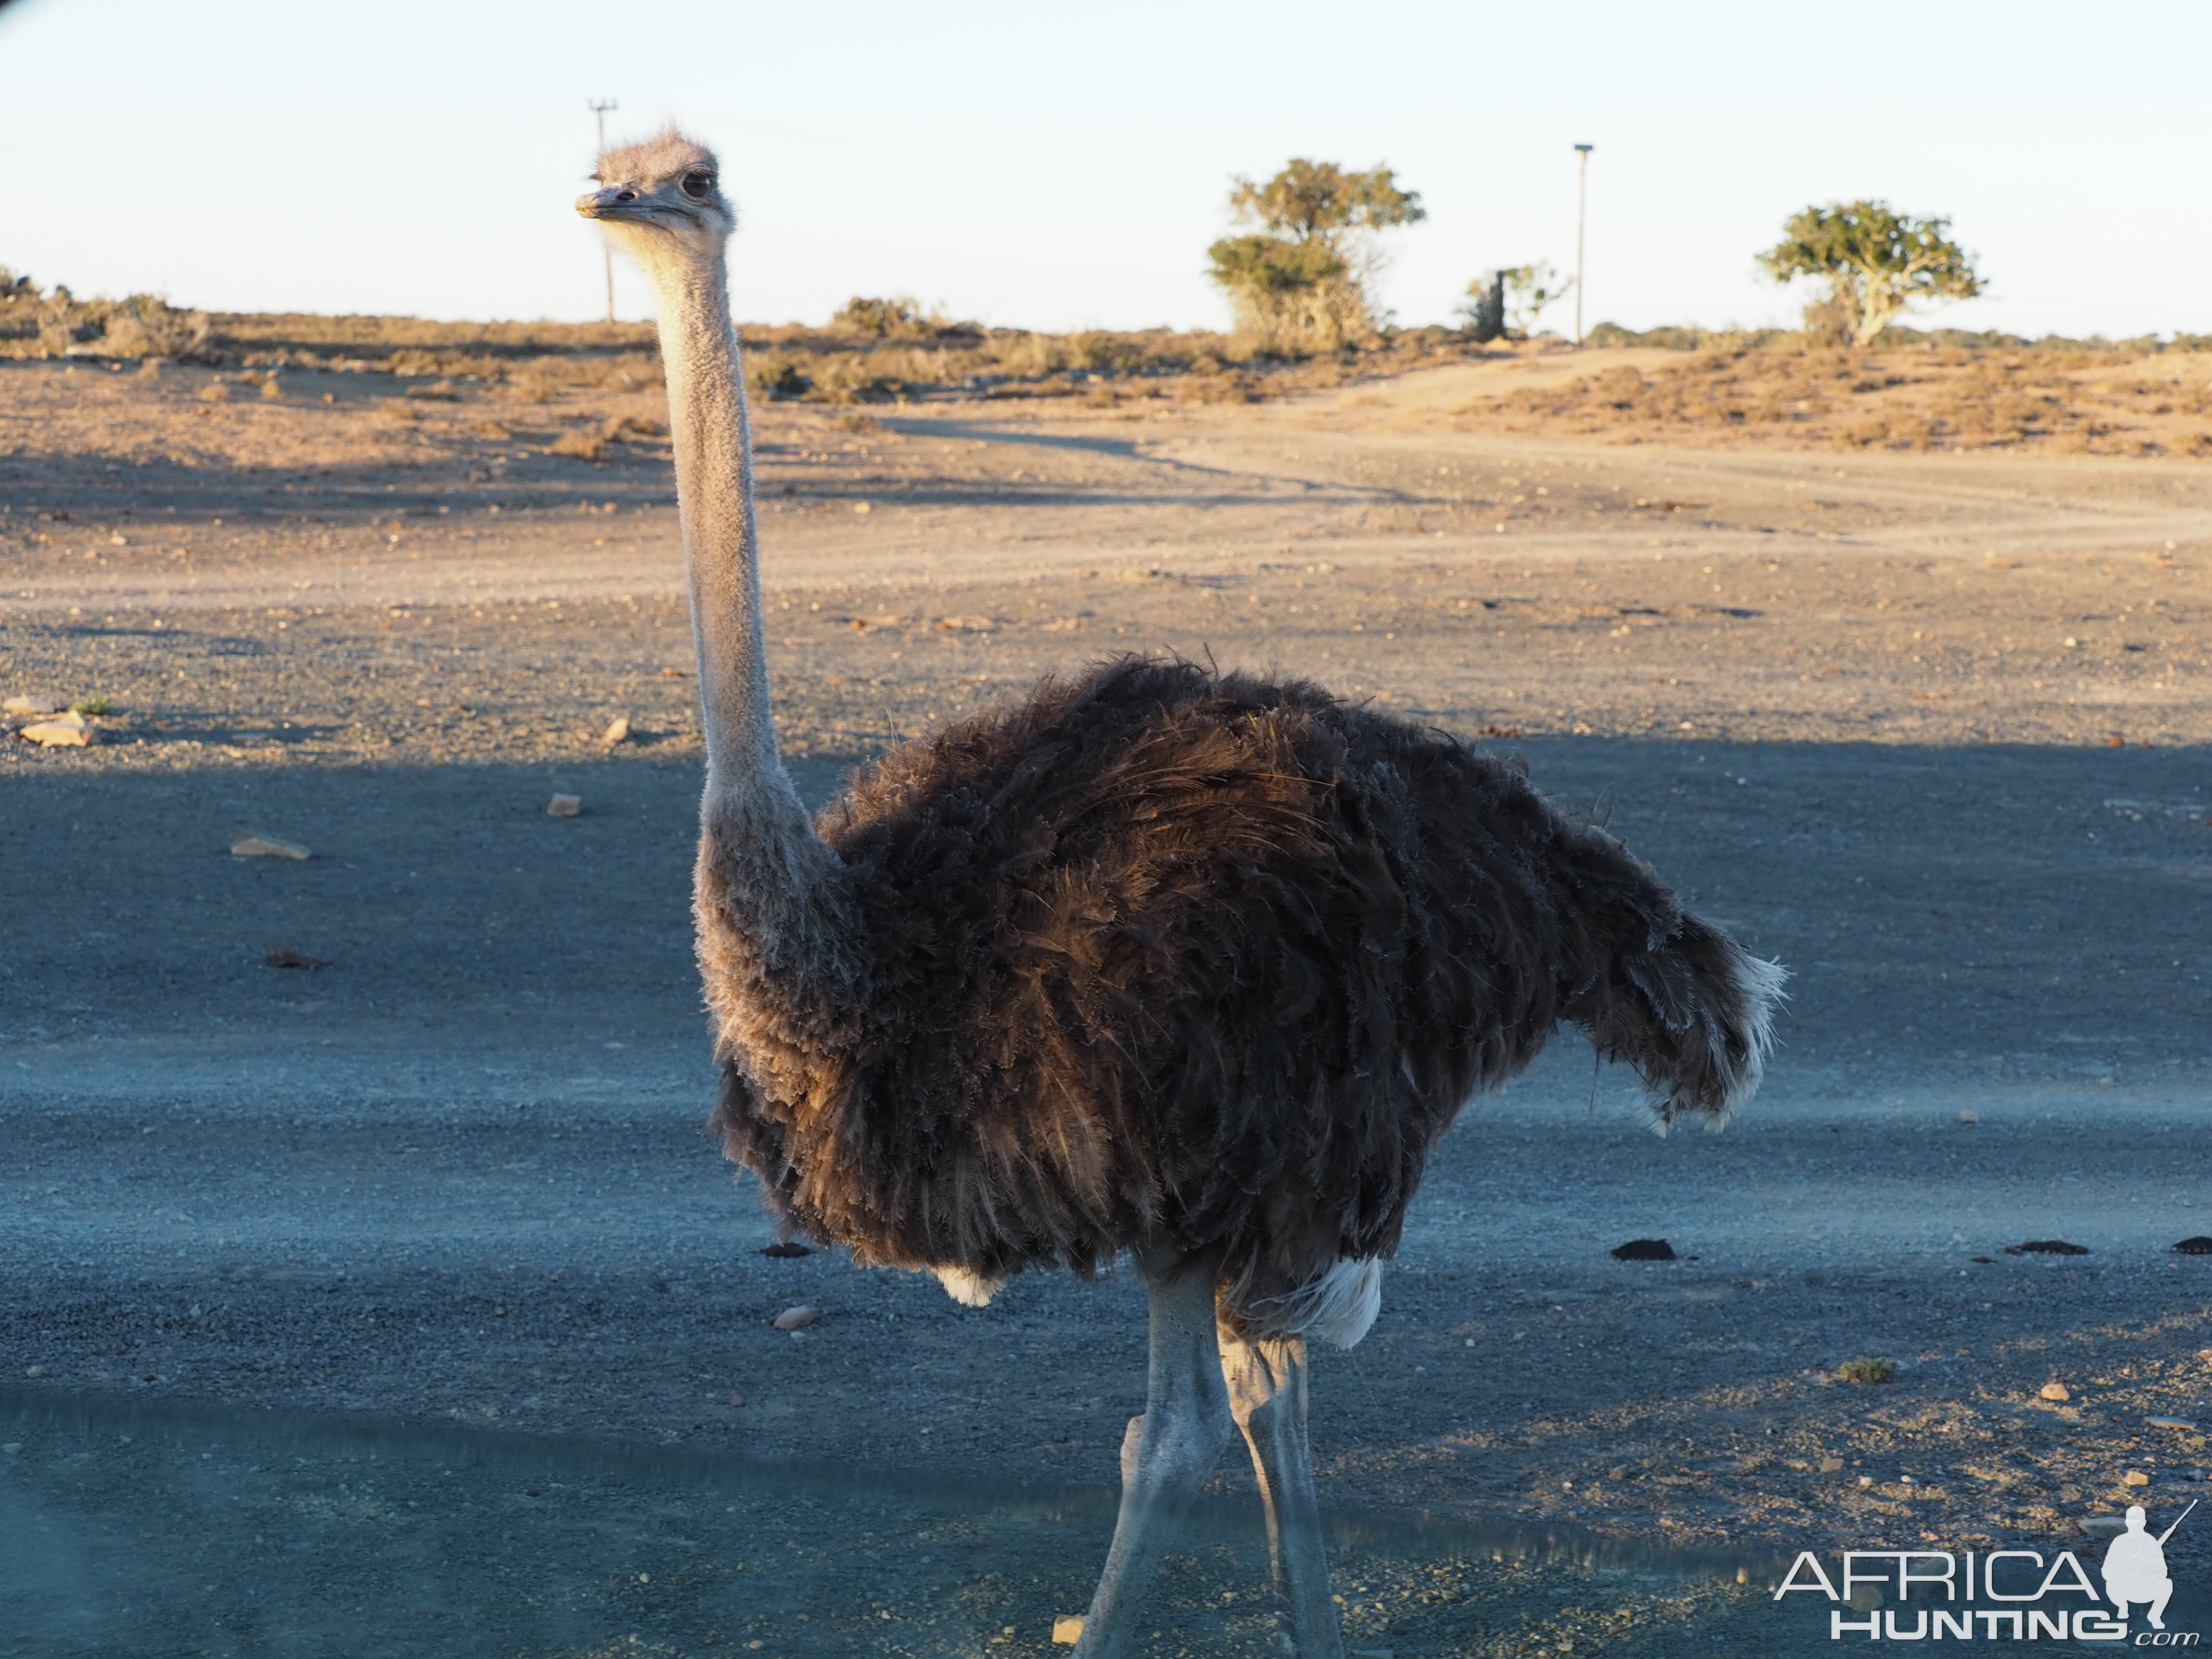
(1189, 966)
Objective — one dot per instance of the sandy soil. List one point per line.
(1933, 729)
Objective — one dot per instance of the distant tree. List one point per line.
(1528, 290)
(1485, 308)
(1874, 263)
(1508, 305)
(1300, 284)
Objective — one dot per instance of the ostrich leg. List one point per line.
(1170, 1450)
(1268, 1394)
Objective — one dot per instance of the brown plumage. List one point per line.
(1163, 955)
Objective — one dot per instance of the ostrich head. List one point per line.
(661, 201)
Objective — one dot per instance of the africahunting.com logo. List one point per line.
(2002, 1595)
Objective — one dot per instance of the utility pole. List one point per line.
(1582, 206)
(599, 106)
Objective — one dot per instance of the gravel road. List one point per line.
(1932, 731)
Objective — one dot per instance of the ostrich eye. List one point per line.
(696, 184)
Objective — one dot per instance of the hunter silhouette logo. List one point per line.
(2010, 1595)
(2135, 1566)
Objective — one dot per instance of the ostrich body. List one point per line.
(1192, 966)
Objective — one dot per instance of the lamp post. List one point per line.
(599, 106)
(1581, 207)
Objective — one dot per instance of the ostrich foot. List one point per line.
(1267, 1395)
(1166, 1455)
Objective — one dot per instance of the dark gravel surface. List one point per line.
(458, 1177)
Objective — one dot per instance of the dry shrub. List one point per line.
(144, 326)
(1302, 321)
(584, 446)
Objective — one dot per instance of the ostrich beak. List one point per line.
(615, 202)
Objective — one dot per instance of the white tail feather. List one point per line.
(1338, 1308)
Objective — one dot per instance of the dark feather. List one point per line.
(1169, 956)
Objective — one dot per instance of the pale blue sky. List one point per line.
(1066, 167)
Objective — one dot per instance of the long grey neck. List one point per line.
(771, 901)
(721, 535)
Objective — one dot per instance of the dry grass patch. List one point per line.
(2061, 400)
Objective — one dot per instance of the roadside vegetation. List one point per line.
(1906, 389)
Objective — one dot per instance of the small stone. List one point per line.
(31, 705)
(2105, 1525)
(1067, 1629)
(12, 1448)
(62, 731)
(789, 1249)
(870, 507)
(1970, 1116)
(2047, 1247)
(737, 1401)
(2056, 1391)
(260, 846)
(2135, 1477)
(34, 1370)
(795, 1319)
(1644, 1250)
(1831, 1465)
(1866, 1480)
(292, 959)
(564, 806)
(2199, 1245)
(2169, 1422)
(119, 539)
(617, 732)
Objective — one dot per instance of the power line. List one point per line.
(599, 106)
(86, 139)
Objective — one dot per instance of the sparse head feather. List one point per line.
(668, 151)
(662, 202)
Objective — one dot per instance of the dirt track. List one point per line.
(1864, 710)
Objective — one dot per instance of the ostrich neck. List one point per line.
(721, 539)
(769, 897)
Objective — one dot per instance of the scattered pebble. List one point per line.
(2199, 1245)
(1831, 1465)
(617, 731)
(259, 846)
(738, 1400)
(564, 806)
(1868, 1370)
(292, 959)
(870, 507)
(2104, 1523)
(1644, 1250)
(30, 706)
(34, 1370)
(2047, 1247)
(2135, 1477)
(12, 1448)
(2169, 1422)
(793, 1319)
(2056, 1391)
(789, 1249)
(1970, 1116)
(1866, 1480)
(1067, 1629)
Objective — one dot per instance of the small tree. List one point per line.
(1873, 262)
(1301, 283)
(1528, 290)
